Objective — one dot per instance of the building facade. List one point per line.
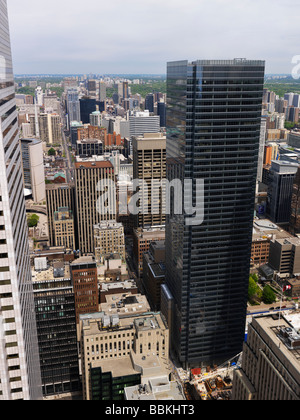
(270, 368)
(91, 177)
(213, 135)
(149, 167)
(20, 376)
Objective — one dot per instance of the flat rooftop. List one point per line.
(273, 326)
(125, 304)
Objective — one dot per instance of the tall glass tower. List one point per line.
(213, 133)
(19, 356)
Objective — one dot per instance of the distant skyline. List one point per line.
(134, 37)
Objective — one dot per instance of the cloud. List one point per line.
(132, 36)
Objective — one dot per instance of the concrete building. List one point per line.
(154, 272)
(271, 364)
(50, 128)
(95, 184)
(64, 228)
(149, 167)
(294, 139)
(73, 105)
(109, 239)
(85, 285)
(33, 168)
(89, 147)
(125, 346)
(142, 239)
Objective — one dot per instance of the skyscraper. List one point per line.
(213, 134)
(20, 376)
(92, 178)
(73, 105)
(149, 167)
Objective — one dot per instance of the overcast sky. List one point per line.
(141, 36)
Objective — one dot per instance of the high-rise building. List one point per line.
(213, 133)
(33, 168)
(149, 102)
(142, 122)
(20, 376)
(94, 179)
(102, 91)
(39, 96)
(56, 325)
(109, 239)
(270, 364)
(162, 112)
(85, 284)
(58, 196)
(73, 105)
(64, 231)
(295, 206)
(149, 167)
(281, 180)
(50, 128)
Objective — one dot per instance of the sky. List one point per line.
(141, 36)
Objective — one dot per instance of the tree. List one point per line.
(268, 295)
(252, 289)
(51, 152)
(33, 220)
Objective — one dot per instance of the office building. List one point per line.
(149, 103)
(39, 96)
(87, 107)
(295, 206)
(85, 285)
(270, 364)
(73, 106)
(64, 228)
(154, 273)
(20, 376)
(125, 348)
(33, 168)
(58, 196)
(142, 122)
(56, 325)
(213, 124)
(102, 91)
(285, 256)
(89, 148)
(142, 239)
(281, 180)
(294, 139)
(95, 119)
(50, 128)
(94, 182)
(109, 239)
(162, 113)
(149, 167)
(74, 126)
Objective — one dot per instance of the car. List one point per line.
(272, 309)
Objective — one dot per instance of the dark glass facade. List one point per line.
(213, 132)
(57, 336)
(106, 387)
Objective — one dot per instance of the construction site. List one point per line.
(210, 383)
